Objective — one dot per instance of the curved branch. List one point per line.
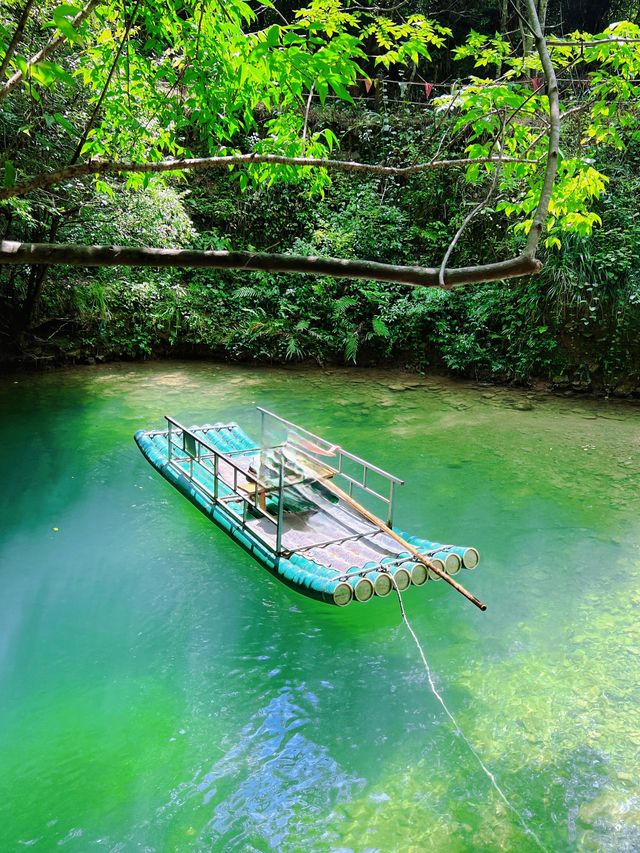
(111, 256)
(535, 232)
(47, 50)
(108, 167)
(470, 216)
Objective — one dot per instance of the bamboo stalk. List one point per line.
(414, 551)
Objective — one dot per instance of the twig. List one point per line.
(12, 252)
(594, 43)
(306, 119)
(480, 206)
(16, 37)
(522, 18)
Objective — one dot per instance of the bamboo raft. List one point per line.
(282, 503)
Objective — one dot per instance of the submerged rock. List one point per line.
(406, 386)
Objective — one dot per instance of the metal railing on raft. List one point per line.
(324, 449)
(199, 451)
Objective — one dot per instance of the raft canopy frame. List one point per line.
(342, 457)
(250, 490)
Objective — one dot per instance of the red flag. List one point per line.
(536, 83)
(367, 85)
(428, 89)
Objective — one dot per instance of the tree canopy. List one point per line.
(149, 91)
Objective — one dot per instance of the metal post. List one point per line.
(215, 477)
(392, 493)
(280, 508)
(169, 438)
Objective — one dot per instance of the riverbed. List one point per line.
(160, 691)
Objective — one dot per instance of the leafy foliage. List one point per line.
(178, 79)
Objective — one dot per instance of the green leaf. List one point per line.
(379, 328)
(9, 174)
(351, 347)
(65, 123)
(323, 89)
(273, 36)
(340, 90)
(66, 28)
(63, 12)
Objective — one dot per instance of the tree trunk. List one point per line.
(37, 278)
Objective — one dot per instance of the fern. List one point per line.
(246, 293)
(351, 347)
(294, 349)
(379, 328)
(341, 305)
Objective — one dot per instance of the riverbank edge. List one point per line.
(406, 376)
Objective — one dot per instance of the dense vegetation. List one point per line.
(577, 324)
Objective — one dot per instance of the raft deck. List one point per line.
(278, 501)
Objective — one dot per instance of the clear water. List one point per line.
(159, 691)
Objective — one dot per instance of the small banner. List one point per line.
(428, 89)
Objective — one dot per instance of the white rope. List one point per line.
(457, 728)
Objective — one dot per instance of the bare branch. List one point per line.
(523, 20)
(47, 50)
(16, 38)
(594, 43)
(110, 256)
(476, 210)
(540, 215)
(574, 110)
(109, 167)
(306, 119)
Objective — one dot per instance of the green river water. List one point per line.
(160, 691)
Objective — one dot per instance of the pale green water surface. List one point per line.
(160, 691)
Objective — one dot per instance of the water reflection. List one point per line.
(273, 784)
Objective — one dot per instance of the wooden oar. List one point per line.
(386, 529)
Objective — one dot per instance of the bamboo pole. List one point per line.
(414, 551)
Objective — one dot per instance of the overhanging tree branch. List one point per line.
(99, 256)
(115, 256)
(114, 167)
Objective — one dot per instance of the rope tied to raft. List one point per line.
(458, 730)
